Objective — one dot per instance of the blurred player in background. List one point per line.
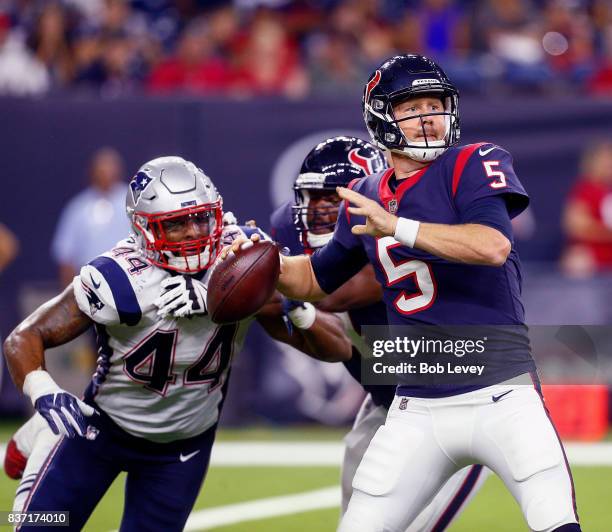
(436, 227)
(307, 225)
(587, 219)
(153, 404)
(94, 220)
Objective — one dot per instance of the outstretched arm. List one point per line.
(297, 279)
(56, 322)
(323, 339)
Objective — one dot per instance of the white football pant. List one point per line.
(425, 441)
(447, 504)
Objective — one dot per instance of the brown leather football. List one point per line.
(241, 284)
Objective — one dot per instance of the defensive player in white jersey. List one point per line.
(153, 404)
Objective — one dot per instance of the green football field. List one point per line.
(270, 489)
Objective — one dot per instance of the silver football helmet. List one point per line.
(176, 213)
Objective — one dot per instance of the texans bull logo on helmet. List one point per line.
(332, 163)
(366, 163)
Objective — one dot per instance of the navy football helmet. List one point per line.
(330, 164)
(398, 79)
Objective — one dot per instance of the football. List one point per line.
(241, 284)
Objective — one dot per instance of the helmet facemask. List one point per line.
(335, 162)
(385, 128)
(427, 149)
(315, 224)
(159, 232)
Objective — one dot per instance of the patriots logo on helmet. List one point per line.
(362, 162)
(138, 184)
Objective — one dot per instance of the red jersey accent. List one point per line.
(346, 203)
(462, 160)
(386, 194)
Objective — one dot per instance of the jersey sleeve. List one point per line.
(341, 258)
(283, 230)
(104, 292)
(488, 172)
(283, 236)
(490, 211)
(278, 223)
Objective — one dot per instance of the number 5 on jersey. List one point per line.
(498, 175)
(425, 294)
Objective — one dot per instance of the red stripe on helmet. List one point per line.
(372, 83)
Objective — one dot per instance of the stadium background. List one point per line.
(245, 89)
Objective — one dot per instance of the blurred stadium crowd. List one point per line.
(297, 48)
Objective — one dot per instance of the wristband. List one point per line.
(406, 231)
(303, 317)
(38, 383)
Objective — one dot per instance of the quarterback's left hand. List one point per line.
(181, 296)
(379, 222)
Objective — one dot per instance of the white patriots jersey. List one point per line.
(157, 378)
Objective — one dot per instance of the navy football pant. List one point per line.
(163, 480)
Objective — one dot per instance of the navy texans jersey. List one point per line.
(283, 231)
(464, 185)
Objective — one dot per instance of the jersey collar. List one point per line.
(390, 200)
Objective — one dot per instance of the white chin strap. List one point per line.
(193, 262)
(318, 241)
(424, 154)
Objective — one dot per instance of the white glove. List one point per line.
(63, 411)
(229, 218)
(181, 296)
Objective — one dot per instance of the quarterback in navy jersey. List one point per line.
(153, 404)
(307, 224)
(436, 227)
